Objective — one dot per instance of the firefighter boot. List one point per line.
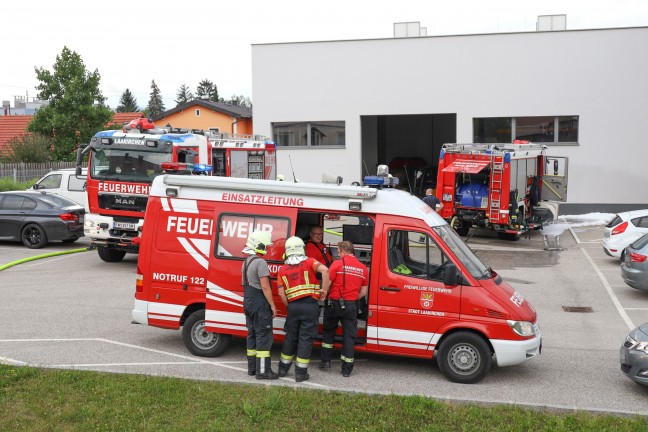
(347, 367)
(283, 369)
(251, 365)
(301, 374)
(263, 370)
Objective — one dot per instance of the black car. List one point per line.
(36, 218)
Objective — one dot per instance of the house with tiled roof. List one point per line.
(13, 126)
(205, 114)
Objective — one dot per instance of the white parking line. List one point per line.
(190, 360)
(575, 236)
(11, 362)
(608, 288)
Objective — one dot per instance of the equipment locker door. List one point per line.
(554, 179)
(413, 301)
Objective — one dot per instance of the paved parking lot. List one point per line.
(73, 311)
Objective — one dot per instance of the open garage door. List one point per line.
(407, 143)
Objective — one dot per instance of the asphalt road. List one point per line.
(73, 311)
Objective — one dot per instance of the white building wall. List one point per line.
(598, 75)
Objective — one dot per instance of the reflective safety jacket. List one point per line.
(299, 280)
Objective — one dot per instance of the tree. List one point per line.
(127, 103)
(207, 90)
(156, 105)
(27, 148)
(239, 101)
(184, 95)
(76, 109)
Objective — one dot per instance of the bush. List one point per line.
(7, 184)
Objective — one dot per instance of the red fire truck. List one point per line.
(510, 188)
(122, 165)
(428, 293)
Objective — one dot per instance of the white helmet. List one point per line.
(258, 240)
(294, 246)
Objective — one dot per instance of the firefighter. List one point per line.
(349, 281)
(315, 247)
(258, 305)
(299, 290)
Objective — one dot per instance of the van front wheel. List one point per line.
(464, 358)
(199, 341)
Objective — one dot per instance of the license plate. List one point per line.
(125, 225)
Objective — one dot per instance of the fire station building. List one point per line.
(343, 107)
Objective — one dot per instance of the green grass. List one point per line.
(7, 184)
(34, 399)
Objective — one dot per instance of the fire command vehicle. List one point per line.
(428, 292)
(122, 165)
(510, 188)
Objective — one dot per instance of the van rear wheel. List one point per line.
(464, 358)
(199, 341)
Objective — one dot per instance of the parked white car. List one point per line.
(64, 182)
(624, 229)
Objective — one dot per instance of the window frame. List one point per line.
(311, 127)
(555, 126)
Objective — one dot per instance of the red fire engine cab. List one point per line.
(123, 163)
(510, 188)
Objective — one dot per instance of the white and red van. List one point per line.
(428, 292)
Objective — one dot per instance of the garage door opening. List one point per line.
(407, 144)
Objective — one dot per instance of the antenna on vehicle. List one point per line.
(409, 185)
(365, 165)
(293, 169)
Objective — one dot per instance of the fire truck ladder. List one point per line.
(497, 171)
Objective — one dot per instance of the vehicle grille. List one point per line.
(494, 314)
(625, 367)
(123, 202)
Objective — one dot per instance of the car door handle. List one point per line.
(384, 288)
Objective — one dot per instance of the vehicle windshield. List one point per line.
(127, 164)
(474, 266)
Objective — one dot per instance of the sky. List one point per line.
(184, 42)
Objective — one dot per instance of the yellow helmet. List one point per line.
(258, 240)
(294, 246)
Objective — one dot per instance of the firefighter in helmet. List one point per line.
(258, 305)
(299, 290)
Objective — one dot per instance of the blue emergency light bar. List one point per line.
(380, 181)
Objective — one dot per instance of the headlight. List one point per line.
(523, 328)
(88, 224)
(642, 346)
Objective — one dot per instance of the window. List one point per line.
(77, 184)
(197, 113)
(12, 202)
(309, 134)
(233, 231)
(50, 182)
(415, 254)
(534, 129)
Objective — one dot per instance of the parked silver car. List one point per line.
(634, 267)
(634, 355)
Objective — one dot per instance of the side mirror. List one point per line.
(451, 275)
(35, 186)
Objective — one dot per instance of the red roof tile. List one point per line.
(16, 125)
(12, 127)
